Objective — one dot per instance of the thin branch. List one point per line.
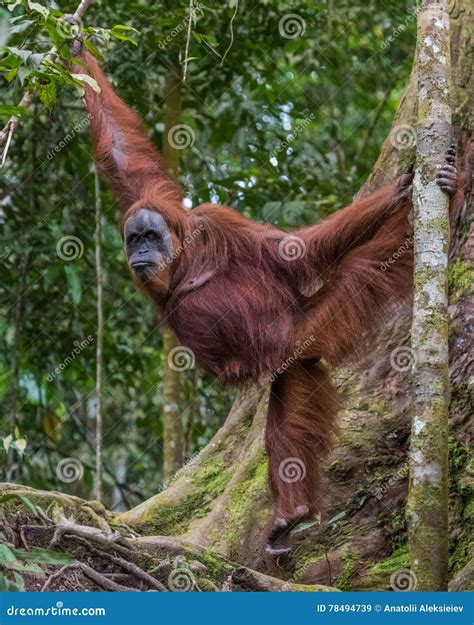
(102, 581)
(58, 574)
(28, 97)
(231, 26)
(188, 40)
(100, 338)
(126, 565)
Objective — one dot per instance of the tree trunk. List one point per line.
(214, 510)
(427, 507)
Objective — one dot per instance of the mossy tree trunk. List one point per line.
(427, 510)
(173, 442)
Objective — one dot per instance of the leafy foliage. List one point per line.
(286, 129)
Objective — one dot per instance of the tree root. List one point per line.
(244, 579)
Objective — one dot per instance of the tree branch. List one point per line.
(28, 97)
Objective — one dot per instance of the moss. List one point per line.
(303, 562)
(349, 560)
(397, 560)
(461, 490)
(205, 585)
(251, 484)
(210, 481)
(217, 566)
(377, 577)
(212, 477)
(460, 279)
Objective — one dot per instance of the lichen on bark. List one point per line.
(427, 507)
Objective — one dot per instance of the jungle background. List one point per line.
(284, 112)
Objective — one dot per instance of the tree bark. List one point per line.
(427, 506)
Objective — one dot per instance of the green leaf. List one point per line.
(19, 582)
(48, 94)
(24, 568)
(338, 517)
(13, 5)
(123, 27)
(7, 585)
(23, 498)
(87, 79)
(6, 555)
(22, 54)
(73, 284)
(301, 527)
(43, 556)
(118, 35)
(7, 441)
(20, 27)
(38, 8)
